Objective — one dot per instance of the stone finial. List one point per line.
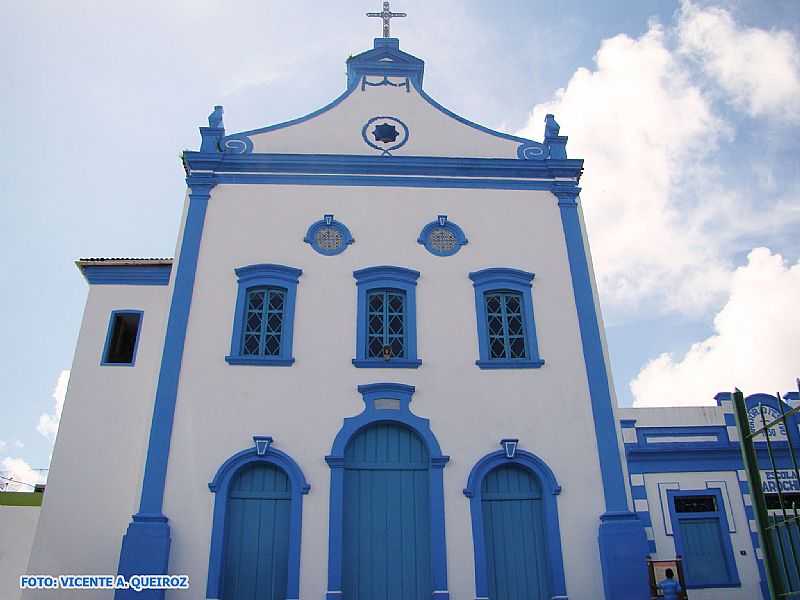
(215, 118)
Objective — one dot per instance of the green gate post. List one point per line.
(754, 478)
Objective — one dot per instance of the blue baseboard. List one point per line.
(623, 556)
(145, 551)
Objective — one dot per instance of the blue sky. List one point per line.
(687, 115)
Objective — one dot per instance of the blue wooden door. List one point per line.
(514, 535)
(703, 551)
(387, 542)
(257, 535)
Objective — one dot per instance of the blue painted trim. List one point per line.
(387, 181)
(104, 356)
(385, 151)
(257, 276)
(525, 143)
(126, 274)
(730, 562)
(310, 237)
(550, 488)
(371, 278)
(351, 426)
(594, 359)
(145, 546)
(458, 233)
(646, 435)
(393, 363)
(355, 164)
(220, 486)
(385, 59)
(240, 143)
(155, 472)
(501, 278)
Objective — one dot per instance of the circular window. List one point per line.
(442, 237)
(328, 236)
(442, 240)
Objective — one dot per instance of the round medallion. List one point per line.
(385, 134)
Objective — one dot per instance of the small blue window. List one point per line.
(506, 327)
(386, 334)
(328, 236)
(442, 237)
(264, 317)
(702, 538)
(122, 338)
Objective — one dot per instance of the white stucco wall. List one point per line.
(220, 407)
(657, 485)
(94, 482)
(17, 528)
(431, 131)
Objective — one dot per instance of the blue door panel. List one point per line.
(257, 535)
(704, 558)
(514, 535)
(386, 516)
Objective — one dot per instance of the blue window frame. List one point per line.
(702, 538)
(122, 338)
(386, 335)
(506, 326)
(263, 322)
(442, 237)
(328, 236)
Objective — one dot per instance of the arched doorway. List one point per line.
(257, 541)
(515, 530)
(256, 529)
(386, 511)
(514, 534)
(386, 464)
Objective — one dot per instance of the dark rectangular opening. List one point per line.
(790, 501)
(122, 342)
(695, 504)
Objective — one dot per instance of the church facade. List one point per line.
(376, 369)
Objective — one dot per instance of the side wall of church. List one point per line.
(221, 406)
(95, 476)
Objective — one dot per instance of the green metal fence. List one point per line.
(778, 523)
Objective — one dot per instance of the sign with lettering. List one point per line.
(786, 480)
(777, 433)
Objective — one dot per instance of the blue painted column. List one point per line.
(146, 544)
(336, 520)
(622, 539)
(438, 538)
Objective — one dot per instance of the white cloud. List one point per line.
(48, 423)
(645, 130)
(19, 471)
(758, 69)
(754, 346)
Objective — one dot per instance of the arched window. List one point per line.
(255, 538)
(515, 530)
(386, 529)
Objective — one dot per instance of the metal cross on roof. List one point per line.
(386, 14)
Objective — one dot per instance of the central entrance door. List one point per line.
(257, 532)
(513, 526)
(387, 540)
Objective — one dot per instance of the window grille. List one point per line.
(505, 325)
(264, 322)
(385, 324)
